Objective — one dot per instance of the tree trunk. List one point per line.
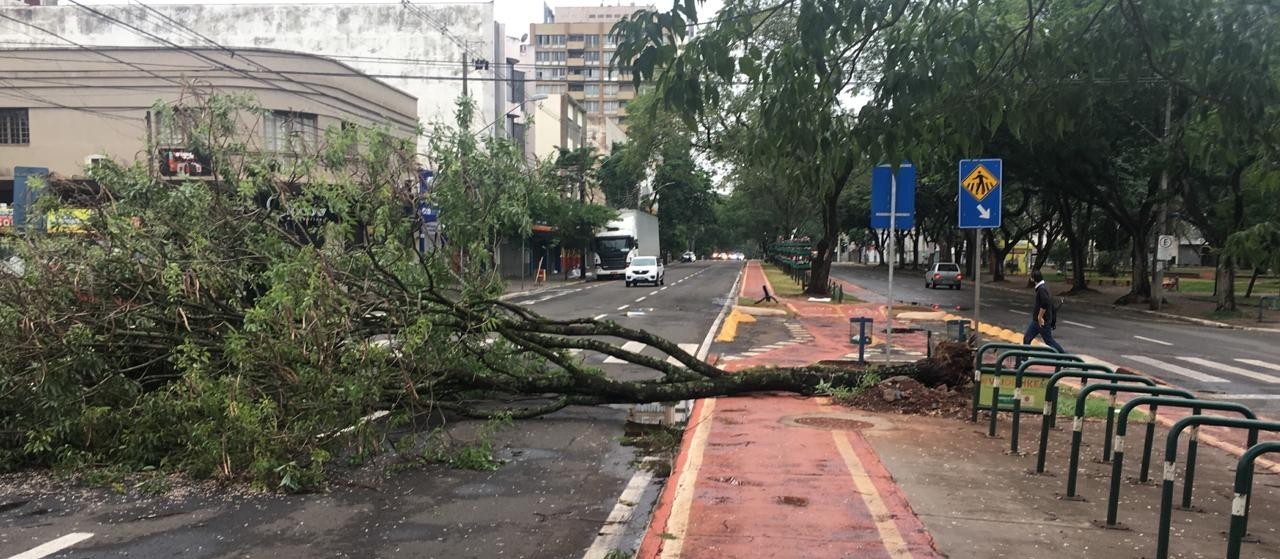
(915, 251)
(820, 266)
(1140, 289)
(1253, 278)
(1225, 284)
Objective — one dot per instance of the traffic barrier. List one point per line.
(1240, 504)
(1122, 426)
(1051, 398)
(999, 368)
(979, 367)
(1077, 422)
(1171, 455)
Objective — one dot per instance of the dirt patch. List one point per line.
(833, 423)
(792, 501)
(907, 396)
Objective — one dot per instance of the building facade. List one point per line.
(430, 51)
(62, 109)
(559, 122)
(573, 55)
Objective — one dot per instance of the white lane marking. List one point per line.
(1074, 323)
(688, 348)
(1244, 396)
(1271, 379)
(1175, 369)
(599, 316)
(1153, 340)
(623, 307)
(1017, 311)
(641, 299)
(1260, 363)
(616, 525)
(633, 347)
(663, 289)
(655, 292)
(49, 548)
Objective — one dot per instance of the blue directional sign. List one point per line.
(981, 193)
(882, 183)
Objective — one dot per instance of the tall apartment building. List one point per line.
(572, 55)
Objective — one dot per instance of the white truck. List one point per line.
(634, 233)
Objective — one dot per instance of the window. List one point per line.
(15, 127)
(290, 131)
(611, 89)
(575, 87)
(591, 88)
(550, 40)
(611, 40)
(576, 37)
(592, 73)
(591, 56)
(592, 41)
(591, 106)
(551, 56)
(552, 73)
(549, 89)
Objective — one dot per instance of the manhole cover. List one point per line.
(833, 423)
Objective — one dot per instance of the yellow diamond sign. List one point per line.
(980, 182)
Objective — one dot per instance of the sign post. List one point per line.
(981, 198)
(893, 206)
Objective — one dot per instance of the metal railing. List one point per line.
(1077, 422)
(1240, 502)
(1051, 398)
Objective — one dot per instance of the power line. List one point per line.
(34, 26)
(376, 116)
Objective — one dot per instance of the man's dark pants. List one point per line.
(1045, 333)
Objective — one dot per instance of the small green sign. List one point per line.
(1032, 393)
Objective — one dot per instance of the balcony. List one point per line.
(576, 78)
(576, 63)
(576, 45)
(625, 94)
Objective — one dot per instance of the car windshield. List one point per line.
(614, 244)
(948, 268)
(644, 261)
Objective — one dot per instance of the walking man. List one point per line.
(1042, 319)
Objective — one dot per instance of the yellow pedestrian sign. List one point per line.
(980, 193)
(980, 182)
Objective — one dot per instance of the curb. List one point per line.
(1171, 316)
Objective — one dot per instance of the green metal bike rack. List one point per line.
(1051, 397)
(1240, 504)
(999, 368)
(1077, 422)
(1171, 456)
(1122, 426)
(978, 370)
(1063, 361)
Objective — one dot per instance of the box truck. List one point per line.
(634, 233)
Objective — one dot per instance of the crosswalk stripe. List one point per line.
(1175, 369)
(1259, 363)
(1233, 370)
(633, 347)
(688, 348)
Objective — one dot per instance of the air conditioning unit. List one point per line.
(94, 160)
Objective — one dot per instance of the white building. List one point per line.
(418, 49)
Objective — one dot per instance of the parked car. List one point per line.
(943, 273)
(688, 256)
(645, 269)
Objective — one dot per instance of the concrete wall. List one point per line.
(84, 103)
(397, 44)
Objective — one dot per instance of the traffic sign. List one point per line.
(882, 184)
(1165, 248)
(981, 193)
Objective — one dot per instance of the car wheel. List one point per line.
(927, 285)
(662, 280)
(628, 283)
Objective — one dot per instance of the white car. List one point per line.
(645, 269)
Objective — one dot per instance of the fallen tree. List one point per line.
(229, 326)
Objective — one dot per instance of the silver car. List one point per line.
(943, 273)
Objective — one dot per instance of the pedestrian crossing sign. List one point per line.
(980, 182)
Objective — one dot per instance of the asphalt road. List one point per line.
(1233, 365)
(563, 475)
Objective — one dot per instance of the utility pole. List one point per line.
(1157, 268)
(464, 72)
